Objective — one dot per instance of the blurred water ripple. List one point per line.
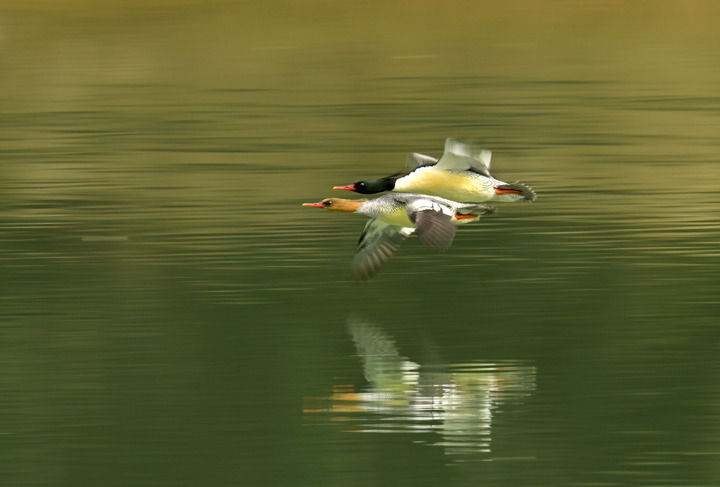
(171, 315)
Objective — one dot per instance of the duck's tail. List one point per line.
(513, 192)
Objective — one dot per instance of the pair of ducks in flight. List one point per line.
(429, 199)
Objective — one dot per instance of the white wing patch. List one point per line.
(426, 204)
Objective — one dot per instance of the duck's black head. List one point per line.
(371, 186)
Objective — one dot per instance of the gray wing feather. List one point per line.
(378, 242)
(434, 229)
(416, 160)
(464, 156)
(433, 222)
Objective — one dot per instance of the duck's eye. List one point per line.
(327, 203)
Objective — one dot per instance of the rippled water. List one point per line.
(171, 315)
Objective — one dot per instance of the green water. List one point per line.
(171, 315)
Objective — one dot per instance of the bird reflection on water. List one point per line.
(455, 401)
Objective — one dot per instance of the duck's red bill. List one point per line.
(349, 187)
(317, 205)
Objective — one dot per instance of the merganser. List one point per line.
(394, 217)
(461, 174)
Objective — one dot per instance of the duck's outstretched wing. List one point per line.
(464, 156)
(415, 160)
(433, 222)
(378, 242)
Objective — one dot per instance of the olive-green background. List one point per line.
(171, 315)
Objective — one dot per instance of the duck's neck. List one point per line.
(348, 206)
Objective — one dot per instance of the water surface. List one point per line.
(171, 315)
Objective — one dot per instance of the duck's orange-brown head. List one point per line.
(337, 204)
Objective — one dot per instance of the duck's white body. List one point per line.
(461, 174)
(451, 184)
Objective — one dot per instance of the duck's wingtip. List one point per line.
(415, 160)
(462, 153)
(377, 243)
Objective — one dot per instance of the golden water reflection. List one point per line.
(456, 403)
